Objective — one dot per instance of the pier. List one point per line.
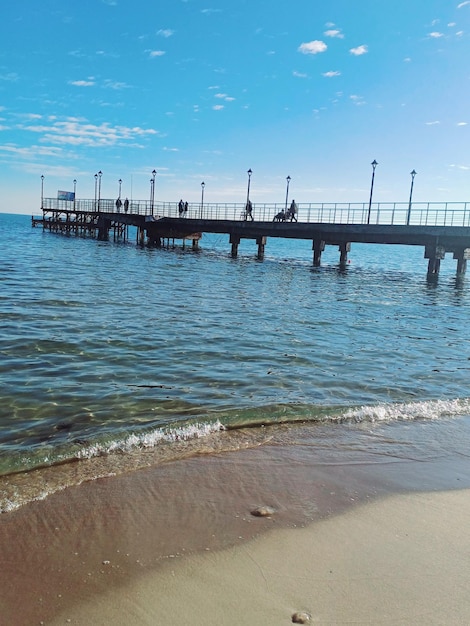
(439, 228)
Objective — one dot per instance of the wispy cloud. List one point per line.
(334, 33)
(357, 100)
(218, 107)
(331, 74)
(165, 32)
(299, 74)
(436, 35)
(360, 50)
(312, 47)
(156, 53)
(462, 123)
(10, 77)
(81, 133)
(463, 4)
(434, 123)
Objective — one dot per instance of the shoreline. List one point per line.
(71, 552)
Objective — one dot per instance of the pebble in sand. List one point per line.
(263, 511)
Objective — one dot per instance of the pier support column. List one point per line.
(435, 254)
(103, 228)
(195, 244)
(462, 257)
(141, 236)
(235, 241)
(261, 241)
(344, 248)
(318, 246)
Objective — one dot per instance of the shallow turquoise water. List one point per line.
(108, 346)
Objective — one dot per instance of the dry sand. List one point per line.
(357, 543)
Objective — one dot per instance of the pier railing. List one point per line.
(383, 213)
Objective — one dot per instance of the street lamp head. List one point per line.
(154, 172)
(120, 181)
(249, 172)
(96, 176)
(203, 184)
(100, 173)
(374, 164)
(74, 181)
(413, 173)
(288, 179)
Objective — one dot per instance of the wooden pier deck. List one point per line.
(439, 231)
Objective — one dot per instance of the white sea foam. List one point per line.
(151, 439)
(430, 409)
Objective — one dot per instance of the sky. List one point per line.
(204, 90)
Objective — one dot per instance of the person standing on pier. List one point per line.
(181, 207)
(118, 204)
(126, 205)
(293, 211)
(186, 209)
(249, 211)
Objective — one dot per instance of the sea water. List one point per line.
(115, 356)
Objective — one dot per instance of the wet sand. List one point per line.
(177, 543)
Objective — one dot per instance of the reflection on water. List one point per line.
(114, 348)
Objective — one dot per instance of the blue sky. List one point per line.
(203, 91)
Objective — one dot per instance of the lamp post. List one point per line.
(74, 191)
(413, 174)
(248, 189)
(100, 174)
(374, 165)
(152, 190)
(96, 186)
(287, 193)
(42, 191)
(203, 184)
(120, 183)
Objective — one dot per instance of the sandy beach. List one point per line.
(178, 544)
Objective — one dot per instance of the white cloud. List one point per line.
(331, 74)
(82, 83)
(299, 74)
(334, 33)
(224, 96)
(360, 50)
(165, 32)
(463, 4)
(462, 123)
(312, 47)
(436, 35)
(156, 53)
(434, 123)
(218, 107)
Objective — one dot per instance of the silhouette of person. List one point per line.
(118, 204)
(293, 211)
(280, 217)
(180, 207)
(249, 211)
(126, 205)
